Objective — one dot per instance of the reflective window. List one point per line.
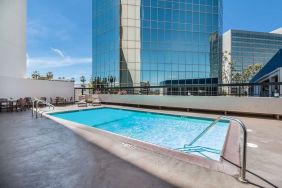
(157, 41)
(106, 39)
(250, 48)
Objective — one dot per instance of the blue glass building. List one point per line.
(156, 41)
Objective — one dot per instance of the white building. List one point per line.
(13, 38)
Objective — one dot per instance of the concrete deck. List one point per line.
(40, 153)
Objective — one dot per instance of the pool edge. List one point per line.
(218, 166)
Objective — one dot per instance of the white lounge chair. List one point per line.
(81, 102)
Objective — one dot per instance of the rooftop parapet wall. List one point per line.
(249, 105)
(20, 87)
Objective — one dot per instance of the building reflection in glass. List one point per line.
(157, 41)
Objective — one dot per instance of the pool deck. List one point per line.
(42, 153)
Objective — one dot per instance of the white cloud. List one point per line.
(56, 62)
(59, 52)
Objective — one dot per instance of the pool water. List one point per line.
(169, 131)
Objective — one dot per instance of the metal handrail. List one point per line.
(37, 101)
(242, 177)
(204, 132)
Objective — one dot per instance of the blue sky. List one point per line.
(60, 35)
(254, 15)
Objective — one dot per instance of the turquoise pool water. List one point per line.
(173, 132)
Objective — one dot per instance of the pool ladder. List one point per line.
(190, 148)
(35, 110)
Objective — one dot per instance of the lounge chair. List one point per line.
(92, 100)
(95, 100)
(88, 98)
(82, 102)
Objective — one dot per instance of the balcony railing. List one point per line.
(240, 90)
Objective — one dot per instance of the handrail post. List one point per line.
(242, 177)
(35, 106)
(32, 112)
(36, 113)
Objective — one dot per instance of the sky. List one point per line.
(252, 15)
(60, 35)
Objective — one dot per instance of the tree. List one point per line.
(227, 68)
(250, 71)
(35, 75)
(49, 76)
(230, 74)
(111, 80)
(83, 80)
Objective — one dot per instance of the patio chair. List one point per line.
(82, 102)
(43, 99)
(28, 102)
(4, 104)
(20, 105)
(70, 101)
(60, 101)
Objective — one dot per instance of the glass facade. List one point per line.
(106, 40)
(159, 41)
(248, 48)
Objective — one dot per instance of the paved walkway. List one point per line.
(41, 153)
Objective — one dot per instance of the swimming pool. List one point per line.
(184, 134)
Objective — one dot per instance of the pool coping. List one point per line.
(230, 149)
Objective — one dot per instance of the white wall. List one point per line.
(259, 105)
(13, 38)
(19, 87)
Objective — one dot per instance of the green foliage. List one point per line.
(49, 76)
(35, 75)
(232, 75)
(250, 71)
(83, 80)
